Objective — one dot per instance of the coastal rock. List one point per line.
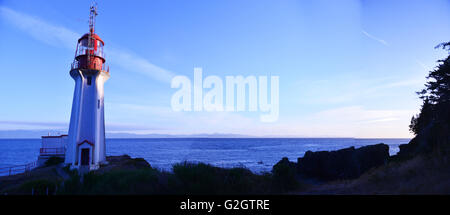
(124, 162)
(434, 137)
(285, 174)
(284, 162)
(346, 163)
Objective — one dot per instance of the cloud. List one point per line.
(357, 121)
(9, 125)
(184, 122)
(402, 83)
(375, 38)
(358, 115)
(129, 61)
(33, 125)
(347, 121)
(323, 92)
(60, 36)
(41, 30)
(141, 109)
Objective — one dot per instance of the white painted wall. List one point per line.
(64, 140)
(87, 118)
(52, 142)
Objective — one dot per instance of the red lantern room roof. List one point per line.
(95, 36)
(89, 52)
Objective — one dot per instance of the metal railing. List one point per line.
(52, 151)
(18, 169)
(76, 65)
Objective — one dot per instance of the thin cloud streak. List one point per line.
(375, 38)
(32, 125)
(333, 95)
(60, 36)
(39, 29)
(139, 65)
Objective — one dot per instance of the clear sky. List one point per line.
(347, 68)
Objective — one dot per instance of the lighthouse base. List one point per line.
(87, 167)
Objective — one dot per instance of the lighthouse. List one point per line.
(86, 139)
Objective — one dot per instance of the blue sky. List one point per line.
(347, 68)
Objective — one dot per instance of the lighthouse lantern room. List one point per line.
(86, 140)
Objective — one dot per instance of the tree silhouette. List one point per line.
(432, 125)
(436, 97)
(424, 118)
(435, 111)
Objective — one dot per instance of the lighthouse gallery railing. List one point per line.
(76, 65)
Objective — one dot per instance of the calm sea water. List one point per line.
(257, 154)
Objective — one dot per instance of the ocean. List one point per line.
(256, 154)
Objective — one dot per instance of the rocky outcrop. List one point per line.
(123, 162)
(435, 137)
(126, 160)
(285, 175)
(346, 163)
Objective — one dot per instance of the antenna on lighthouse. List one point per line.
(92, 16)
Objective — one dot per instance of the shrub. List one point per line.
(142, 181)
(71, 185)
(54, 161)
(186, 178)
(38, 187)
(191, 178)
(285, 175)
(195, 178)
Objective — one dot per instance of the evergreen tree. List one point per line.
(435, 96)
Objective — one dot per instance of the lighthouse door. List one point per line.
(84, 156)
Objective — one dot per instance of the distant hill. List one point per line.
(214, 135)
(17, 134)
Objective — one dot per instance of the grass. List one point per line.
(37, 181)
(424, 174)
(186, 178)
(53, 161)
(200, 178)
(38, 187)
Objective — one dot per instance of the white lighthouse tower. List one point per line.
(86, 140)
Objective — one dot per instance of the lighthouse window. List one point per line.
(89, 80)
(98, 103)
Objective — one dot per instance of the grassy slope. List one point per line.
(426, 174)
(124, 175)
(36, 181)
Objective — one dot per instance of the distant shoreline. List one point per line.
(376, 138)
